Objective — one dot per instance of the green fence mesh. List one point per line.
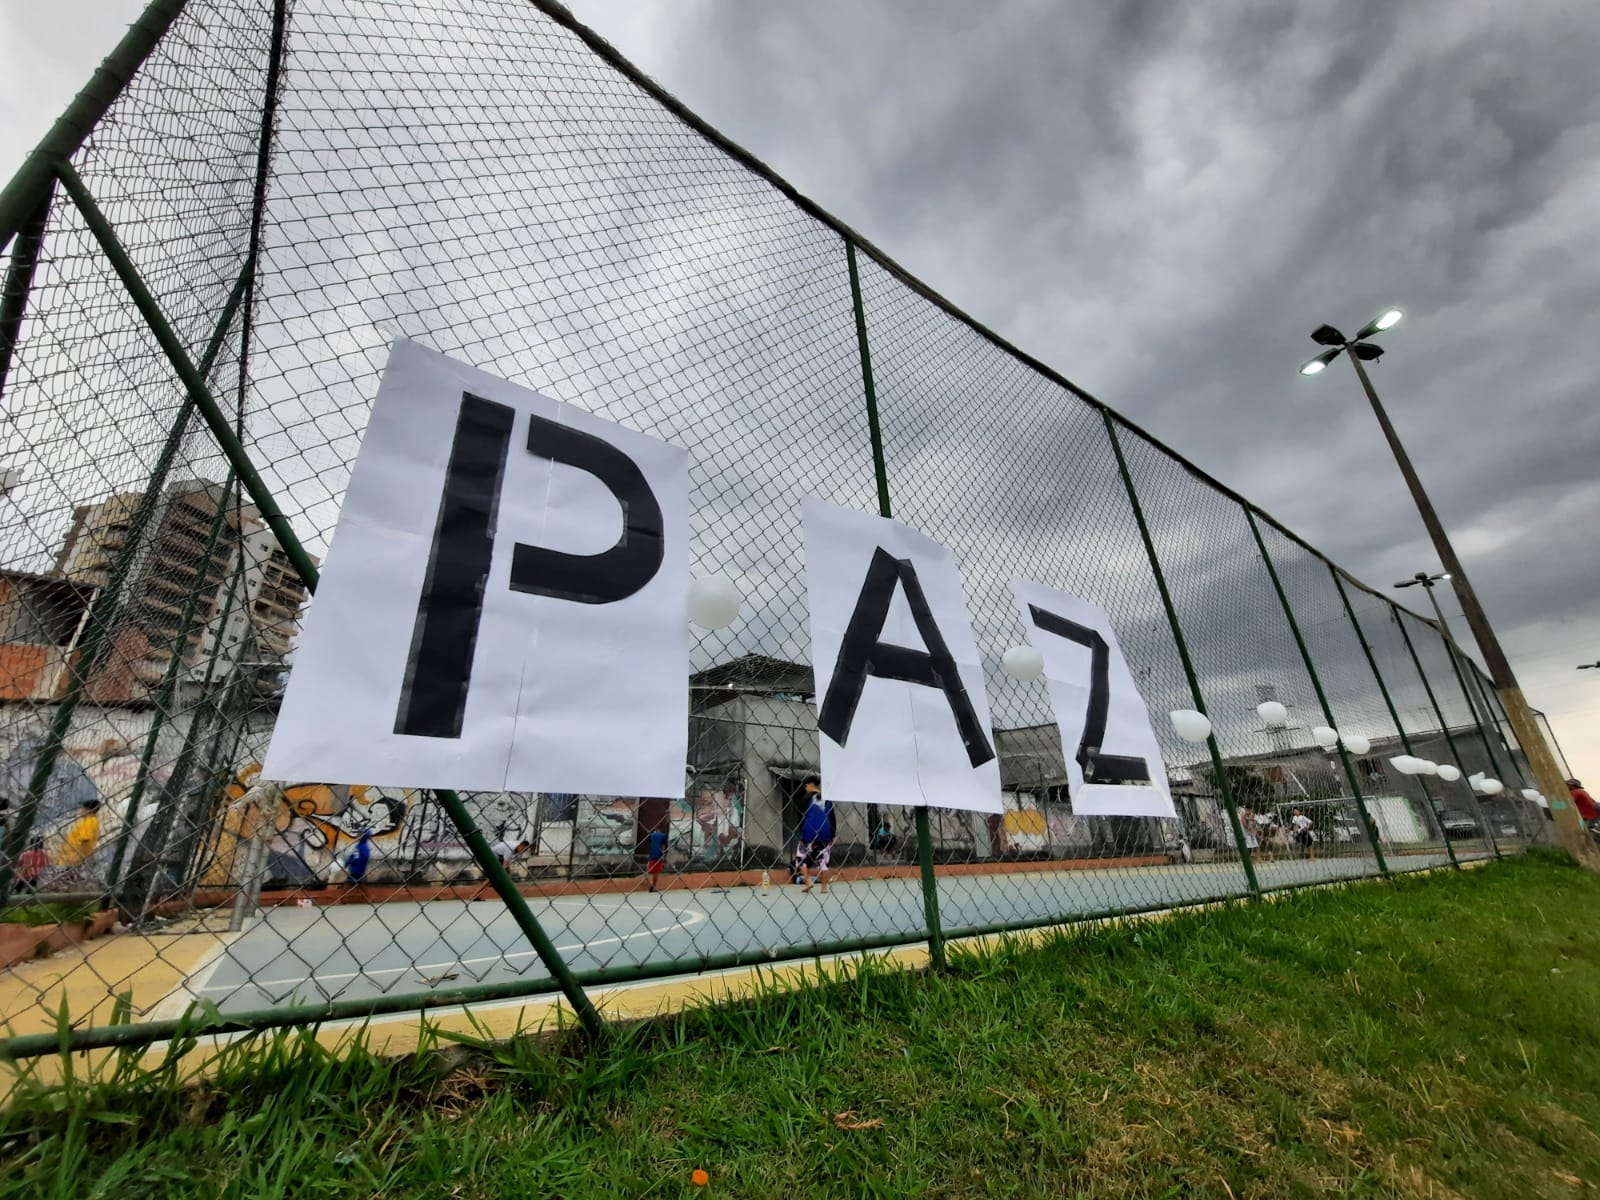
(299, 183)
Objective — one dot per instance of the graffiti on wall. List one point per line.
(102, 772)
(315, 822)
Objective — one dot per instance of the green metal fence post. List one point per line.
(173, 794)
(19, 282)
(21, 195)
(1498, 724)
(1484, 721)
(1444, 726)
(1218, 769)
(153, 846)
(261, 496)
(1388, 702)
(1491, 703)
(103, 607)
(166, 694)
(1322, 696)
(930, 886)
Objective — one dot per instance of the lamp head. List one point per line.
(1319, 364)
(1381, 323)
(1327, 335)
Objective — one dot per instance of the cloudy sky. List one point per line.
(1162, 200)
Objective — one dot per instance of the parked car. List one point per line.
(1344, 828)
(1458, 824)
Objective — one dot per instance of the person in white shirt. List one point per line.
(1302, 833)
(1265, 825)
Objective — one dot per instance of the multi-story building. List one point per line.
(223, 568)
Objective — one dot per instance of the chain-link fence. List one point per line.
(205, 266)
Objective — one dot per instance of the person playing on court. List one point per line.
(658, 856)
(1302, 833)
(355, 865)
(816, 838)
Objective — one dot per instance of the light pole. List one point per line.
(1547, 774)
(1588, 666)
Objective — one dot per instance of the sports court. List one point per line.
(303, 955)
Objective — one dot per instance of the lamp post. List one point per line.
(1547, 774)
(1588, 666)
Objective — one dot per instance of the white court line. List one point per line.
(694, 915)
(218, 1040)
(200, 980)
(178, 1000)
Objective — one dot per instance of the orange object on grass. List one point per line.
(699, 1177)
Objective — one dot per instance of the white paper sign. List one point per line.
(504, 603)
(1114, 765)
(901, 709)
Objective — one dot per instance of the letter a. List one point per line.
(863, 653)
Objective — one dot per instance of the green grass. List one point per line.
(1420, 1038)
(48, 913)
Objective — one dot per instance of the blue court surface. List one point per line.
(292, 954)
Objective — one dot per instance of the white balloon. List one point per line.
(1429, 767)
(1190, 725)
(1532, 796)
(1448, 773)
(1326, 736)
(1355, 743)
(714, 601)
(1493, 787)
(1406, 764)
(1022, 663)
(1274, 714)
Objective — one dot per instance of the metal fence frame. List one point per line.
(49, 179)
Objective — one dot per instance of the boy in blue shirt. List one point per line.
(816, 838)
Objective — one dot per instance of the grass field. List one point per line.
(1425, 1037)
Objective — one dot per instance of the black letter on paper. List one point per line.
(433, 698)
(862, 653)
(1097, 767)
(613, 574)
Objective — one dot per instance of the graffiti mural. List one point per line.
(102, 773)
(315, 822)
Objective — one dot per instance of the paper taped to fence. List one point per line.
(504, 603)
(901, 710)
(1114, 765)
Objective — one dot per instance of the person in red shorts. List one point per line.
(658, 856)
